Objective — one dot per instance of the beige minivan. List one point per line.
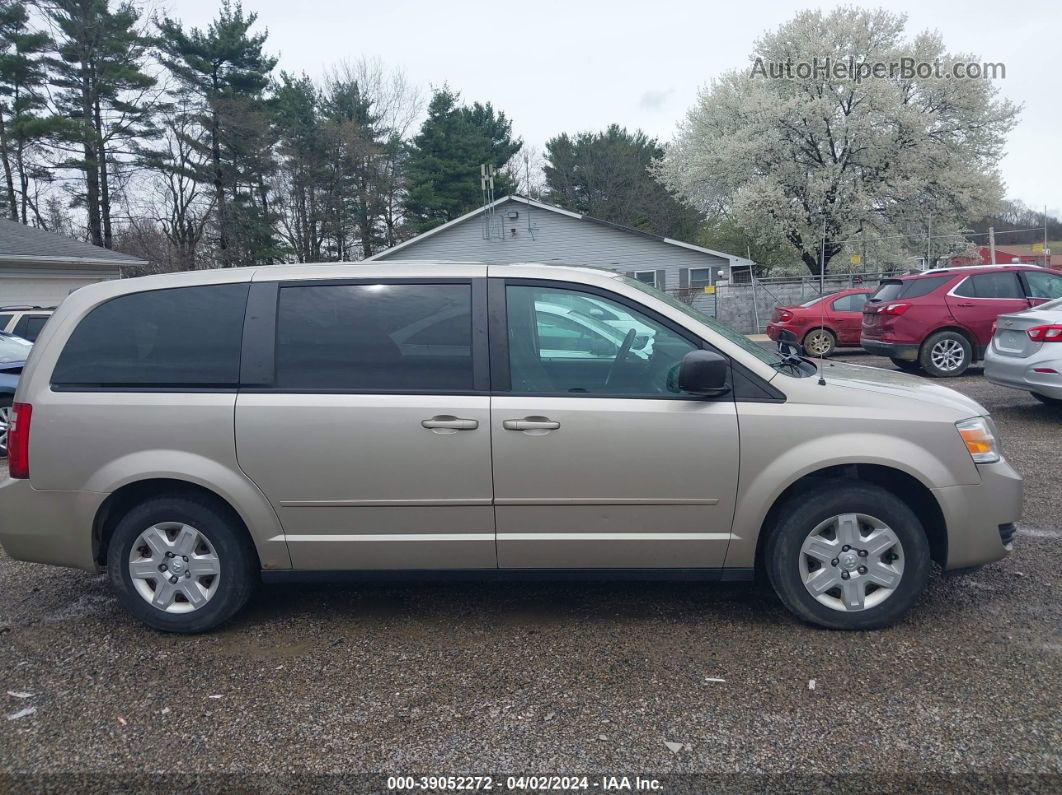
(197, 433)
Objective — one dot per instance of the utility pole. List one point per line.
(992, 244)
(1047, 257)
(929, 244)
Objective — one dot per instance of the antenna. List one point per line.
(527, 177)
(486, 186)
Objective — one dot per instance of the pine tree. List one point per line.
(444, 159)
(24, 121)
(105, 92)
(607, 175)
(224, 72)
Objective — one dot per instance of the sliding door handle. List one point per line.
(531, 424)
(447, 423)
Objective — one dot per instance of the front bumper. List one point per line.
(48, 526)
(976, 515)
(908, 352)
(1019, 373)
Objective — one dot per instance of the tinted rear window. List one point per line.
(29, 326)
(908, 288)
(184, 337)
(375, 337)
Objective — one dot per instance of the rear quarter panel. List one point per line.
(99, 441)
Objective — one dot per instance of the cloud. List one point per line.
(654, 99)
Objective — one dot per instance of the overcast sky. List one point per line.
(581, 64)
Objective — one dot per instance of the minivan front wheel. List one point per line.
(848, 555)
(946, 354)
(180, 564)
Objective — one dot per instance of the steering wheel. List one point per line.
(624, 349)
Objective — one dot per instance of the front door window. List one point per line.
(558, 346)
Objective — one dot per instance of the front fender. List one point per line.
(763, 479)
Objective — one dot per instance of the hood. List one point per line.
(901, 385)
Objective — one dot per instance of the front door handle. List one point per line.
(447, 423)
(531, 424)
(964, 303)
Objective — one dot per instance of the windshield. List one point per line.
(1056, 304)
(765, 355)
(13, 349)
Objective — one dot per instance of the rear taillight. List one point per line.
(18, 440)
(895, 309)
(1052, 333)
(784, 315)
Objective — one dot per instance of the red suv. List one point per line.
(823, 323)
(942, 320)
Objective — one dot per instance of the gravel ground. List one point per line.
(555, 678)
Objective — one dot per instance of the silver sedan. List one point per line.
(1026, 352)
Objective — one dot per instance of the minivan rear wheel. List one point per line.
(848, 555)
(181, 564)
(946, 354)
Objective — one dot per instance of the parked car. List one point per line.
(25, 321)
(13, 353)
(245, 424)
(941, 320)
(609, 315)
(823, 323)
(1026, 352)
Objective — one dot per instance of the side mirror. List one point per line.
(704, 373)
(788, 344)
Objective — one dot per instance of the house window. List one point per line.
(649, 277)
(700, 278)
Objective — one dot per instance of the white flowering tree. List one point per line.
(796, 144)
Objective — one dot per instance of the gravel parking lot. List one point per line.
(556, 678)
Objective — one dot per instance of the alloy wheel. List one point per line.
(818, 343)
(174, 567)
(851, 562)
(5, 421)
(947, 355)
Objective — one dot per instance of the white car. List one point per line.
(24, 321)
(1026, 352)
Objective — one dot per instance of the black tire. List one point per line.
(828, 337)
(5, 404)
(906, 366)
(805, 512)
(1047, 401)
(239, 568)
(952, 340)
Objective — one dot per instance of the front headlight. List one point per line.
(979, 439)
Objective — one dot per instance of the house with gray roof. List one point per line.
(517, 229)
(39, 268)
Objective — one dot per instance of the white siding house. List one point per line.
(39, 268)
(517, 229)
